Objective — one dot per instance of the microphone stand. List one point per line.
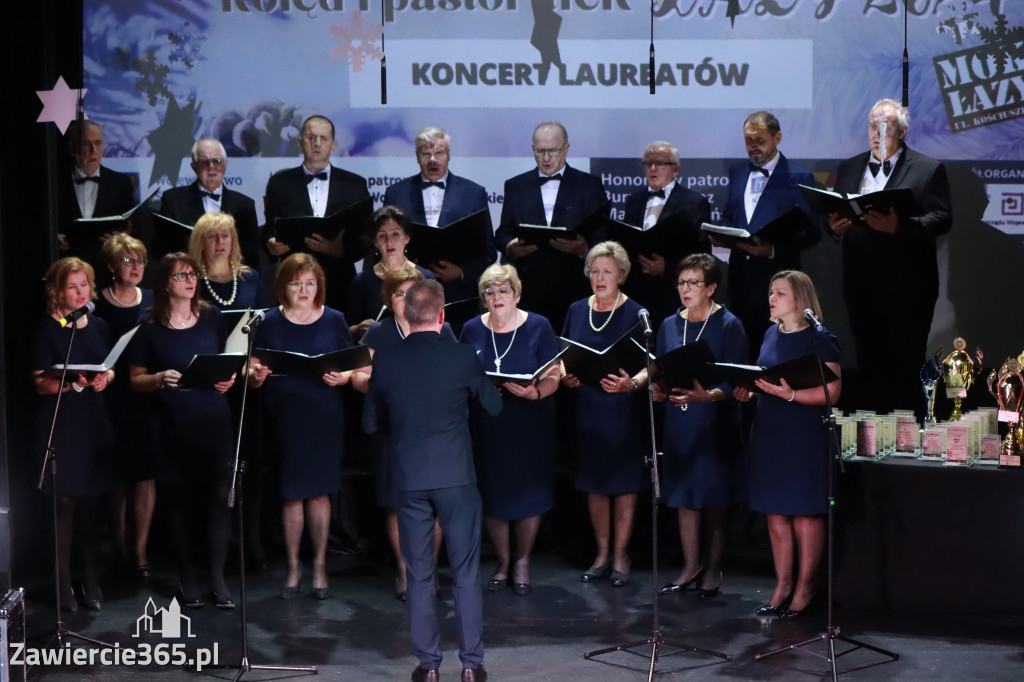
(835, 458)
(657, 638)
(61, 631)
(237, 492)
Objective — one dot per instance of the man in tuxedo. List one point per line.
(422, 390)
(208, 195)
(652, 278)
(761, 191)
(890, 273)
(552, 194)
(316, 188)
(437, 197)
(91, 190)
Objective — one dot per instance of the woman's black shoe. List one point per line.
(597, 573)
(769, 610)
(672, 588)
(93, 599)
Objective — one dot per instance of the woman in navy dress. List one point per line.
(701, 474)
(83, 437)
(391, 232)
(384, 334)
(121, 305)
(789, 452)
(226, 281)
(306, 416)
(610, 421)
(516, 476)
(193, 465)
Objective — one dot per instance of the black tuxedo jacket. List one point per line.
(659, 294)
(288, 197)
(115, 195)
(551, 279)
(462, 197)
(185, 204)
(901, 266)
(422, 390)
(749, 275)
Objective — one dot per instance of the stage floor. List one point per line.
(361, 633)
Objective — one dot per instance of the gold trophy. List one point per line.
(958, 372)
(1007, 386)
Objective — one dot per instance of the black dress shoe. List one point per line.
(520, 590)
(620, 579)
(321, 593)
(401, 595)
(190, 596)
(222, 600)
(143, 573)
(423, 675)
(495, 584)
(68, 600)
(789, 614)
(672, 588)
(705, 595)
(474, 674)
(769, 610)
(602, 571)
(93, 599)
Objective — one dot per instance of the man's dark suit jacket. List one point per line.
(891, 281)
(422, 389)
(288, 197)
(114, 196)
(185, 204)
(462, 198)
(749, 275)
(551, 279)
(659, 294)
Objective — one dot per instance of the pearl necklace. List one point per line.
(684, 407)
(191, 316)
(590, 314)
(399, 328)
(494, 342)
(289, 317)
(119, 302)
(234, 286)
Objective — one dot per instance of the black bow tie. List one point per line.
(546, 178)
(660, 193)
(886, 168)
(88, 178)
(212, 195)
(759, 169)
(310, 177)
(428, 183)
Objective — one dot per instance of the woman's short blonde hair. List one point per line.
(499, 274)
(394, 278)
(803, 291)
(121, 245)
(57, 278)
(291, 267)
(611, 250)
(207, 224)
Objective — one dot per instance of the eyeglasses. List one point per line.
(554, 151)
(657, 164)
(182, 276)
(398, 294)
(503, 291)
(134, 262)
(299, 286)
(210, 162)
(690, 284)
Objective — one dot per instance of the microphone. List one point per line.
(645, 320)
(72, 316)
(810, 317)
(253, 322)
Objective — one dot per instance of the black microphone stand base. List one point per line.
(830, 634)
(656, 642)
(245, 667)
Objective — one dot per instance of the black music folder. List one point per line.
(85, 233)
(590, 365)
(456, 242)
(499, 378)
(170, 236)
(730, 236)
(458, 313)
(293, 231)
(661, 239)
(290, 363)
(800, 372)
(206, 370)
(541, 235)
(853, 206)
(680, 366)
